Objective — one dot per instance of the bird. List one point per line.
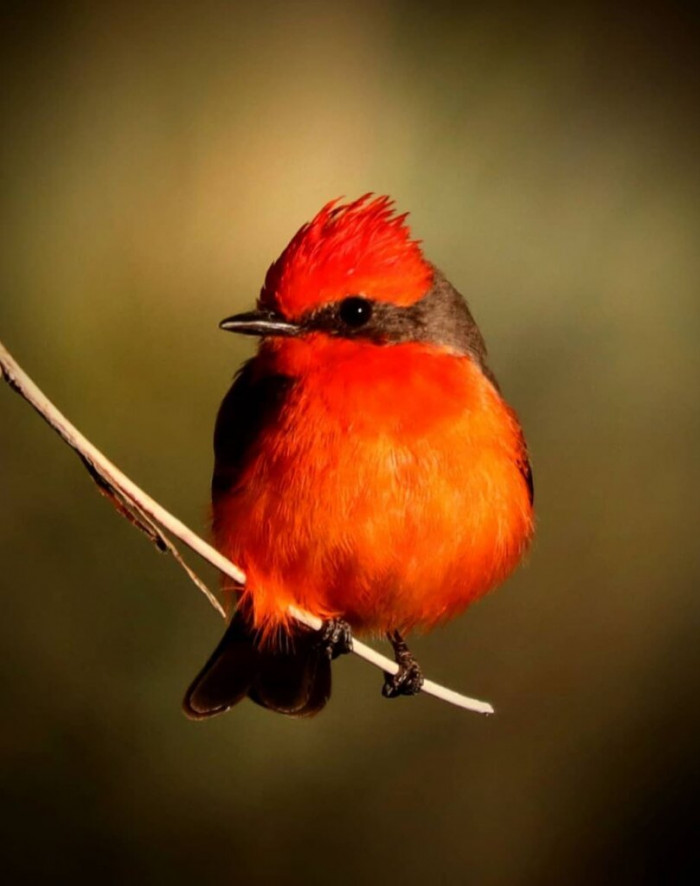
(367, 468)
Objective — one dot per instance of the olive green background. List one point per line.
(155, 159)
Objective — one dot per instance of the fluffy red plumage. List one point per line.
(367, 466)
(390, 492)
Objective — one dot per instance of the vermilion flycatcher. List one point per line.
(367, 468)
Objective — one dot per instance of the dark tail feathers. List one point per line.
(296, 683)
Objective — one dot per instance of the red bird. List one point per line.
(367, 468)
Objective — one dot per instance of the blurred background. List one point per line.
(155, 158)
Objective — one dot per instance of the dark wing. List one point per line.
(252, 403)
(526, 470)
(296, 682)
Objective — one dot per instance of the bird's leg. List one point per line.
(409, 678)
(335, 637)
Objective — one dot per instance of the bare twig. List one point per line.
(151, 518)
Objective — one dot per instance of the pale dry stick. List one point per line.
(146, 514)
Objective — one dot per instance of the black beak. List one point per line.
(259, 323)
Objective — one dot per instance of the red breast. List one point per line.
(389, 491)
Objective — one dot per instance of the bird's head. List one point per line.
(355, 272)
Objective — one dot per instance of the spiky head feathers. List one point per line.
(359, 248)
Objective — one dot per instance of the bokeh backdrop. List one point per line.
(155, 158)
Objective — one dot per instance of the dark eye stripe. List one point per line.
(441, 317)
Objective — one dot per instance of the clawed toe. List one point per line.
(408, 680)
(335, 637)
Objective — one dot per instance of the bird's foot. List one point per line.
(409, 678)
(335, 637)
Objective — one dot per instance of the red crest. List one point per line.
(358, 248)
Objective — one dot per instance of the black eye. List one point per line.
(355, 311)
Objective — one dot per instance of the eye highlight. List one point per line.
(355, 311)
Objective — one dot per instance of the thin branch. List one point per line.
(151, 518)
